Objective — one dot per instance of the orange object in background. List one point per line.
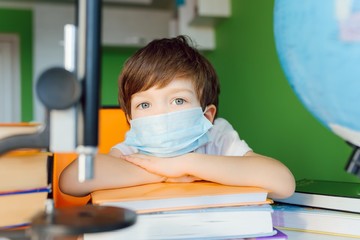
(112, 129)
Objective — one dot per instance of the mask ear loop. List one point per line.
(210, 116)
(206, 108)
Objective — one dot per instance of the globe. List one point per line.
(318, 44)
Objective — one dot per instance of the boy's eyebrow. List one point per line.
(173, 90)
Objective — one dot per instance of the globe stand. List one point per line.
(353, 165)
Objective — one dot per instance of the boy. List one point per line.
(169, 93)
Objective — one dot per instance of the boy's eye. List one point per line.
(179, 101)
(144, 105)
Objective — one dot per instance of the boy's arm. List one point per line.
(249, 170)
(109, 172)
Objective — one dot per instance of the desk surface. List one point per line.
(292, 235)
(296, 235)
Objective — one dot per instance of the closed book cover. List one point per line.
(335, 195)
(10, 129)
(316, 220)
(18, 207)
(177, 196)
(210, 223)
(279, 235)
(25, 169)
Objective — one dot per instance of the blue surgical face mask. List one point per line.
(171, 134)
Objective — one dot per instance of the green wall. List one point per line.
(112, 63)
(20, 23)
(257, 99)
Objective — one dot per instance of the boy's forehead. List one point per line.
(177, 82)
(175, 85)
(180, 82)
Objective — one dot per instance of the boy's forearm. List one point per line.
(109, 172)
(252, 170)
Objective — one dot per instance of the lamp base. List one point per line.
(81, 219)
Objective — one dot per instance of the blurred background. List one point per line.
(256, 97)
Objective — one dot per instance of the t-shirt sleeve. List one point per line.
(225, 140)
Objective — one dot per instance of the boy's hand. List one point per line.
(183, 179)
(168, 167)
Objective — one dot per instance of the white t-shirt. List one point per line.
(224, 141)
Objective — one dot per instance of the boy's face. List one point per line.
(179, 94)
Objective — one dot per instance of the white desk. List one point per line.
(292, 235)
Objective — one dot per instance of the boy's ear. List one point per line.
(210, 112)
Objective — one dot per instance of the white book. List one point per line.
(316, 220)
(209, 223)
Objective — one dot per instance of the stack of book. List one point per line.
(316, 220)
(326, 207)
(199, 210)
(23, 180)
(335, 195)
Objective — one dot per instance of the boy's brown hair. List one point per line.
(162, 60)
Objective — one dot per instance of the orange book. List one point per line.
(23, 186)
(18, 208)
(9, 129)
(25, 169)
(180, 196)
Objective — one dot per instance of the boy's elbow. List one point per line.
(285, 192)
(291, 185)
(286, 188)
(68, 184)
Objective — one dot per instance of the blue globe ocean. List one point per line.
(318, 43)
